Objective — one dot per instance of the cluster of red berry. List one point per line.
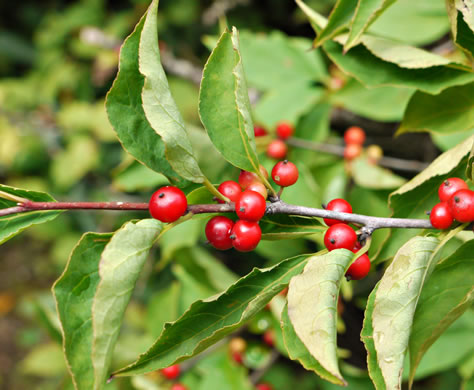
(354, 138)
(277, 148)
(245, 234)
(171, 373)
(249, 195)
(457, 203)
(340, 235)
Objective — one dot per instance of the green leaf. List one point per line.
(462, 24)
(278, 227)
(417, 23)
(312, 301)
(405, 56)
(297, 350)
(450, 111)
(367, 338)
(339, 18)
(374, 72)
(138, 177)
(127, 116)
(11, 225)
(158, 104)
(282, 59)
(394, 306)
(120, 265)
(373, 176)
(318, 22)
(210, 320)
(444, 298)
(224, 105)
(385, 104)
(74, 293)
(366, 13)
(156, 318)
(421, 193)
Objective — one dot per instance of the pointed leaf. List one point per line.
(74, 292)
(158, 104)
(339, 18)
(395, 303)
(120, 265)
(278, 227)
(224, 104)
(366, 13)
(450, 111)
(208, 321)
(11, 225)
(318, 22)
(126, 114)
(374, 72)
(445, 297)
(368, 339)
(297, 350)
(312, 301)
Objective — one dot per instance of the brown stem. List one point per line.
(369, 223)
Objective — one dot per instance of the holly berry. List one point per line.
(237, 357)
(269, 338)
(246, 235)
(250, 206)
(284, 130)
(449, 187)
(218, 231)
(259, 131)
(354, 135)
(351, 151)
(461, 205)
(285, 173)
(258, 186)
(247, 178)
(264, 386)
(340, 205)
(178, 386)
(440, 216)
(359, 268)
(340, 235)
(171, 372)
(230, 189)
(277, 149)
(237, 344)
(168, 204)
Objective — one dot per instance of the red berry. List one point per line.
(285, 173)
(284, 130)
(354, 135)
(247, 178)
(440, 216)
(246, 235)
(356, 247)
(250, 206)
(461, 205)
(218, 231)
(178, 386)
(168, 204)
(359, 268)
(259, 131)
(449, 187)
(229, 188)
(258, 186)
(277, 149)
(237, 357)
(351, 151)
(340, 205)
(269, 338)
(264, 386)
(171, 372)
(340, 235)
